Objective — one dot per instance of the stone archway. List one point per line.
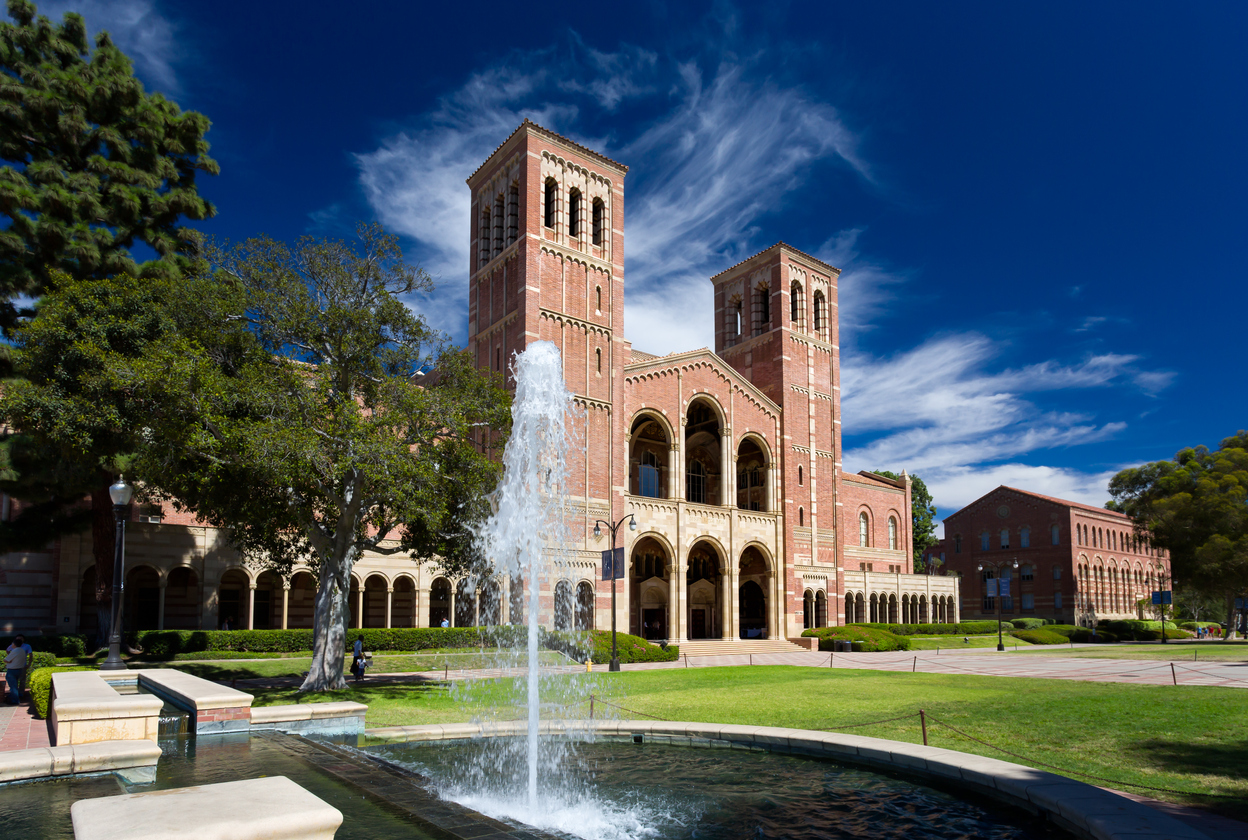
(563, 605)
(648, 584)
(584, 606)
(754, 578)
(182, 599)
(808, 610)
(704, 592)
(439, 602)
(821, 609)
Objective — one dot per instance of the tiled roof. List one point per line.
(1056, 500)
(552, 135)
(830, 268)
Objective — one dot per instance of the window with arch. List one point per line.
(552, 197)
(892, 533)
(574, 212)
(649, 475)
(513, 213)
(821, 315)
(799, 475)
(762, 309)
(598, 298)
(737, 319)
(1024, 537)
(483, 237)
(1055, 535)
(695, 490)
(864, 529)
(596, 216)
(797, 305)
(598, 355)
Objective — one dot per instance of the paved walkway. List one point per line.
(20, 729)
(990, 664)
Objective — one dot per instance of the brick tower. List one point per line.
(776, 324)
(546, 263)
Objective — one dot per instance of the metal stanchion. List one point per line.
(923, 722)
(914, 665)
(1173, 675)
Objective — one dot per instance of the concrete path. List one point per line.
(990, 664)
(20, 729)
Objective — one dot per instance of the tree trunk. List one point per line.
(103, 544)
(329, 626)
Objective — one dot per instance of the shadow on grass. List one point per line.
(363, 694)
(1225, 759)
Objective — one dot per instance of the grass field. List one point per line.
(1181, 651)
(956, 643)
(1192, 740)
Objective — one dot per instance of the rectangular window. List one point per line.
(1025, 573)
(649, 481)
(1057, 600)
(1005, 537)
(957, 544)
(1029, 602)
(1024, 538)
(1007, 604)
(1057, 573)
(983, 541)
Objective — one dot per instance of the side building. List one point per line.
(1077, 564)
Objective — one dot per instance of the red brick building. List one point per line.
(1077, 563)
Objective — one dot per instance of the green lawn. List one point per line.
(956, 643)
(1188, 738)
(1180, 651)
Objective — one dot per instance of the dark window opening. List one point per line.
(552, 193)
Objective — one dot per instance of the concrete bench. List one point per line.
(85, 709)
(272, 808)
(134, 761)
(321, 718)
(217, 708)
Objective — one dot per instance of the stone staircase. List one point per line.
(734, 647)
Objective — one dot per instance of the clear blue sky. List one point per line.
(1039, 208)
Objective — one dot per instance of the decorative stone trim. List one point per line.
(134, 761)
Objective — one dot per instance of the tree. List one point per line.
(90, 166)
(314, 415)
(1196, 507)
(922, 516)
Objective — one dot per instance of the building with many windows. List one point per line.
(729, 458)
(1077, 563)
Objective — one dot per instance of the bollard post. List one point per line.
(923, 722)
(446, 673)
(830, 655)
(751, 658)
(1193, 656)
(914, 664)
(591, 707)
(1173, 676)
(686, 660)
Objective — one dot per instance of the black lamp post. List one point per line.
(632, 526)
(120, 494)
(998, 565)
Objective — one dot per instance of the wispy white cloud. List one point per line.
(137, 27)
(956, 487)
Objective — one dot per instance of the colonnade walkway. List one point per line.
(989, 663)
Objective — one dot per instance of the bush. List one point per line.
(39, 684)
(165, 644)
(1027, 623)
(68, 644)
(596, 644)
(1040, 637)
(872, 638)
(962, 628)
(1194, 625)
(1082, 634)
(1142, 631)
(1155, 635)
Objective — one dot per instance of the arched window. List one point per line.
(483, 237)
(821, 316)
(864, 526)
(762, 309)
(598, 353)
(892, 533)
(596, 221)
(696, 483)
(513, 213)
(799, 475)
(598, 298)
(1024, 537)
(574, 212)
(552, 195)
(649, 476)
(797, 305)
(737, 332)
(1055, 535)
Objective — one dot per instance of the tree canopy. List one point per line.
(922, 516)
(305, 407)
(1195, 506)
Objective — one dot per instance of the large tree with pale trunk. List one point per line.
(305, 407)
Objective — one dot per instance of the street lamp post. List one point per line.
(120, 494)
(632, 526)
(998, 565)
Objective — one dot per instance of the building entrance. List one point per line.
(654, 623)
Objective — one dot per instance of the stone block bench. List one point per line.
(86, 709)
(271, 808)
(216, 708)
(320, 718)
(134, 761)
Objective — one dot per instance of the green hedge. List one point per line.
(962, 628)
(165, 644)
(1142, 631)
(39, 684)
(1043, 636)
(1082, 634)
(1155, 635)
(1028, 623)
(596, 644)
(1192, 625)
(872, 638)
(68, 644)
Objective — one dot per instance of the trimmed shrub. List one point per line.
(1194, 625)
(1027, 623)
(962, 628)
(872, 638)
(39, 684)
(1082, 634)
(68, 644)
(596, 644)
(165, 644)
(1142, 631)
(1155, 635)
(1040, 637)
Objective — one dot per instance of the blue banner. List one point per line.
(1164, 597)
(617, 567)
(1005, 587)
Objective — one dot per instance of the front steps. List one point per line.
(732, 647)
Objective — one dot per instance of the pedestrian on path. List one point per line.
(16, 659)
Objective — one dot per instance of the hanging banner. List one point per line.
(1163, 597)
(1005, 587)
(610, 569)
(990, 588)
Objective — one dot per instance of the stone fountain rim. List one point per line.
(1084, 810)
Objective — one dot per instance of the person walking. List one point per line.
(16, 660)
(358, 662)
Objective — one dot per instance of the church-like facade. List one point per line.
(730, 459)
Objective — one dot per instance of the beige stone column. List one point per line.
(359, 607)
(160, 606)
(734, 600)
(673, 602)
(678, 469)
(725, 602)
(777, 609)
(727, 464)
(286, 605)
(389, 604)
(251, 607)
